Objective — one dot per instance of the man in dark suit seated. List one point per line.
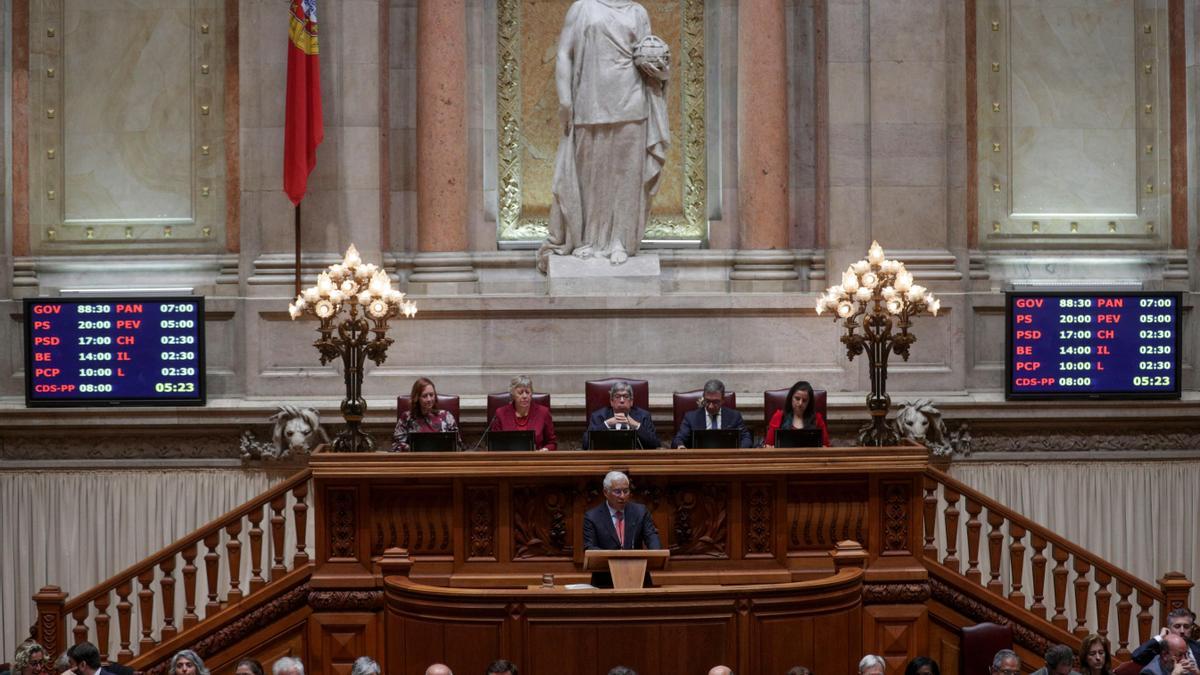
(1174, 658)
(618, 524)
(622, 414)
(1180, 622)
(712, 415)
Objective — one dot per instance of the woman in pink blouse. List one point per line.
(525, 415)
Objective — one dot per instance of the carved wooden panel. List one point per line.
(822, 513)
(481, 523)
(343, 522)
(336, 640)
(417, 518)
(543, 520)
(896, 497)
(699, 520)
(897, 633)
(758, 527)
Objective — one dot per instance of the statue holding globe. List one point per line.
(610, 77)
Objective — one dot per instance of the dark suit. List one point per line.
(600, 534)
(1154, 668)
(695, 420)
(1151, 648)
(645, 433)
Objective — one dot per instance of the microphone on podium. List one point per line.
(485, 432)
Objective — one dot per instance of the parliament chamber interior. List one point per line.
(586, 337)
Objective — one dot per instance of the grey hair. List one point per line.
(365, 665)
(870, 660)
(190, 656)
(618, 386)
(714, 387)
(63, 663)
(1058, 655)
(612, 477)
(1001, 656)
(622, 670)
(287, 664)
(520, 381)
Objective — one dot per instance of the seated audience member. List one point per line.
(621, 670)
(1095, 657)
(1006, 662)
(871, 665)
(63, 663)
(288, 666)
(438, 669)
(711, 415)
(1060, 660)
(798, 412)
(720, 670)
(30, 659)
(622, 414)
(502, 667)
(1174, 657)
(187, 662)
(365, 665)
(618, 524)
(798, 670)
(423, 416)
(525, 415)
(248, 667)
(922, 665)
(84, 659)
(1179, 622)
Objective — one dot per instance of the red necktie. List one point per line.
(621, 527)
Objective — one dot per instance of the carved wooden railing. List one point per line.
(151, 583)
(1014, 539)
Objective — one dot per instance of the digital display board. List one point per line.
(114, 351)
(1093, 345)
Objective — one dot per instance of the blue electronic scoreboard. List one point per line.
(114, 351)
(1093, 345)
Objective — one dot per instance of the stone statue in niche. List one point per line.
(610, 76)
(920, 421)
(297, 432)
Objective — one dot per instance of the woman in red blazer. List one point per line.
(798, 412)
(525, 415)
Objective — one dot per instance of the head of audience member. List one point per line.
(30, 659)
(800, 405)
(248, 667)
(438, 669)
(1174, 650)
(798, 670)
(187, 662)
(621, 670)
(1006, 662)
(1095, 655)
(84, 658)
(713, 397)
(720, 670)
(1180, 621)
(616, 490)
(502, 667)
(365, 665)
(620, 397)
(922, 665)
(63, 663)
(424, 398)
(1060, 659)
(521, 390)
(871, 665)
(288, 666)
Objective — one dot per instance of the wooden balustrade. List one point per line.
(1071, 566)
(220, 538)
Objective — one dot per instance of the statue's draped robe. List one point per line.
(607, 167)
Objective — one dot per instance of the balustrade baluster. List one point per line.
(167, 584)
(124, 613)
(1060, 586)
(300, 524)
(189, 587)
(973, 528)
(951, 560)
(1016, 562)
(995, 546)
(80, 631)
(211, 559)
(1124, 611)
(233, 555)
(1039, 575)
(929, 517)
(1144, 616)
(146, 609)
(102, 622)
(1103, 601)
(256, 535)
(278, 529)
(1082, 586)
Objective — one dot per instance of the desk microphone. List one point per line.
(485, 432)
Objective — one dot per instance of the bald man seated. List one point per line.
(720, 670)
(438, 669)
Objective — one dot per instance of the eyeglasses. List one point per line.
(621, 396)
(619, 491)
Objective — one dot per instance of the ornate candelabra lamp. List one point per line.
(352, 300)
(878, 296)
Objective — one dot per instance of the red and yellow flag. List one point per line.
(304, 126)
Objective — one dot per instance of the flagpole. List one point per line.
(297, 249)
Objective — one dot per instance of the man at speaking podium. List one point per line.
(618, 524)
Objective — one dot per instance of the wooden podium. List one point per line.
(628, 568)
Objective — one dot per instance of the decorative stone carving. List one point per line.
(901, 593)
(542, 515)
(700, 517)
(297, 432)
(921, 422)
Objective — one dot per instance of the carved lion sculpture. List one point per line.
(297, 431)
(920, 421)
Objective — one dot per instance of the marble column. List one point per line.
(443, 263)
(764, 260)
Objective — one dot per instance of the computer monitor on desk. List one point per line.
(432, 441)
(708, 439)
(510, 441)
(612, 439)
(798, 438)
